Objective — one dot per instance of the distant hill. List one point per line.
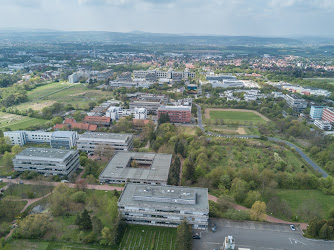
(142, 37)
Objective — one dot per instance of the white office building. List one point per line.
(323, 125)
(47, 161)
(57, 139)
(88, 141)
(316, 112)
(165, 206)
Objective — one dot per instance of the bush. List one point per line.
(237, 214)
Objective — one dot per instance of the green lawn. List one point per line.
(47, 89)
(321, 80)
(20, 190)
(236, 116)
(297, 197)
(146, 237)
(78, 95)
(18, 122)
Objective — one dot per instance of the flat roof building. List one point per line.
(47, 161)
(88, 141)
(296, 103)
(166, 206)
(316, 112)
(58, 139)
(145, 168)
(177, 114)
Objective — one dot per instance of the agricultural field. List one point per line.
(18, 122)
(76, 94)
(235, 115)
(297, 198)
(145, 237)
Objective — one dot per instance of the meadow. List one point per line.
(78, 95)
(296, 198)
(18, 122)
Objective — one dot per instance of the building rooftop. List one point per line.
(157, 166)
(40, 153)
(106, 136)
(177, 108)
(165, 196)
(63, 133)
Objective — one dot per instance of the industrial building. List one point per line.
(47, 161)
(145, 168)
(88, 141)
(57, 139)
(166, 206)
(177, 114)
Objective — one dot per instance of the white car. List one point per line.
(292, 227)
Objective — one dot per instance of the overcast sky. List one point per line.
(222, 17)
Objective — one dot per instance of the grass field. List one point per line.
(232, 116)
(20, 190)
(145, 237)
(297, 197)
(18, 122)
(321, 80)
(76, 94)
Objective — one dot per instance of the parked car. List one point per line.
(0, 180)
(292, 227)
(196, 237)
(214, 228)
(9, 177)
(20, 182)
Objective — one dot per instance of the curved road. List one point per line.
(298, 150)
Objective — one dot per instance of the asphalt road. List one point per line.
(298, 150)
(257, 236)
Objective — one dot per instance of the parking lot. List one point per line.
(256, 235)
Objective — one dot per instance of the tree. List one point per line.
(16, 149)
(79, 197)
(164, 118)
(106, 237)
(325, 231)
(112, 209)
(60, 203)
(104, 151)
(258, 211)
(57, 120)
(33, 226)
(252, 196)
(7, 160)
(84, 221)
(174, 172)
(239, 189)
(183, 237)
(97, 225)
(189, 167)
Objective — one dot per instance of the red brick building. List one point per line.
(328, 115)
(99, 121)
(177, 114)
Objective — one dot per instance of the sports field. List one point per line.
(235, 115)
(145, 237)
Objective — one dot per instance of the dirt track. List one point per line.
(207, 112)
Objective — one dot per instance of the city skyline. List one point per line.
(235, 18)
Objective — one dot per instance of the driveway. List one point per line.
(256, 236)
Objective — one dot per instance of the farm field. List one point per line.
(18, 122)
(76, 94)
(235, 115)
(296, 198)
(145, 237)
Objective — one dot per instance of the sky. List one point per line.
(216, 17)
